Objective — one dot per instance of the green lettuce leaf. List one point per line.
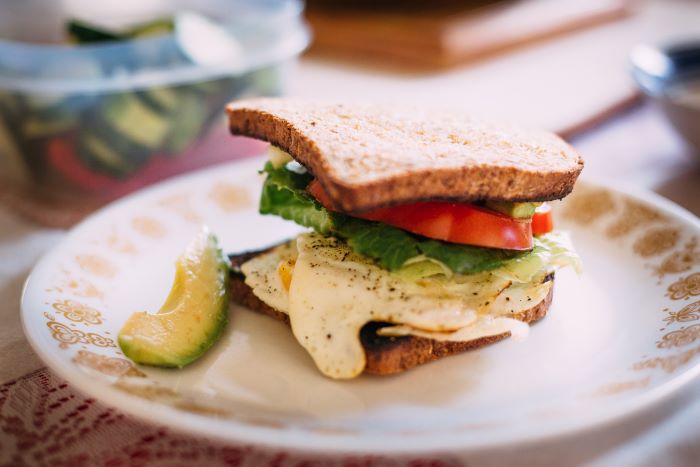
(284, 194)
(389, 246)
(551, 250)
(465, 258)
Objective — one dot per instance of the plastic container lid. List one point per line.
(246, 36)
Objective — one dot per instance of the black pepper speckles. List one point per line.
(346, 293)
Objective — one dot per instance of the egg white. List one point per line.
(334, 292)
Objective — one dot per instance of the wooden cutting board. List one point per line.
(443, 37)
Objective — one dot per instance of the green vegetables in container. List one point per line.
(96, 139)
(81, 32)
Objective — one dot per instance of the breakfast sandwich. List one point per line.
(429, 232)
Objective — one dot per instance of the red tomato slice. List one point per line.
(542, 221)
(451, 222)
(320, 194)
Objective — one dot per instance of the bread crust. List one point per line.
(369, 156)
(389, 355)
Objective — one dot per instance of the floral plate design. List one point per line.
(620, 338)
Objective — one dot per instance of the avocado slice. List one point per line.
(193, 316)
(514, 210)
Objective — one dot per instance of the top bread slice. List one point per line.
(369, 156)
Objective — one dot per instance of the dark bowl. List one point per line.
(671, 77)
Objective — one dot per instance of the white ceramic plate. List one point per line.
(617, 339)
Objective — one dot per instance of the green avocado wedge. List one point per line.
(514, 210)
(193, 316)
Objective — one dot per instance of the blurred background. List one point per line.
(98, 99)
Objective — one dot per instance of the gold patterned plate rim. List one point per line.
(78, 294)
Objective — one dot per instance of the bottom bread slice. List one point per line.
(386, 355)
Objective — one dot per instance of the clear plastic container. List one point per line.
(81, 125)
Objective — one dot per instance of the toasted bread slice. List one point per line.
(385, 355)
(368, 156)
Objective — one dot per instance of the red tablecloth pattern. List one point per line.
(43, 421)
